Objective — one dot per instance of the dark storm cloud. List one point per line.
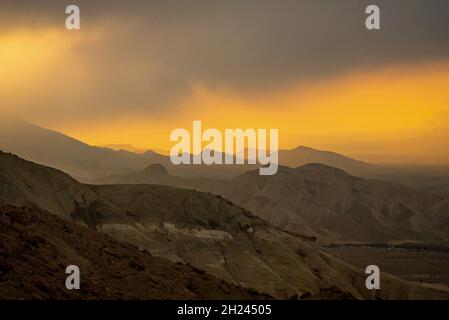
(158, 49)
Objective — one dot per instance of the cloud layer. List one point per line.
(144, 57)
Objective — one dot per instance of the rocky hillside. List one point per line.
(198, 229)
(336, 206)
(322, 201)
(36, 247)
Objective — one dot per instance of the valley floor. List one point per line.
(419, 265)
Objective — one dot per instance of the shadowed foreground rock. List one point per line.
(36, 247)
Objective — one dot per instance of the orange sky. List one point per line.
(392, 114)
(384, 109)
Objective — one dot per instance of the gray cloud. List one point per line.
(158, 49)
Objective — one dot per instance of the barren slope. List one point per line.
(36, 247)
(340, 207)
(200, 229)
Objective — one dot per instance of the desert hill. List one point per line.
(302, 155)
(338, 206)
(425, 177)
(318, 200)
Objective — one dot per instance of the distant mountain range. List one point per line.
(60, 151)
(188, 227)
(87, 163)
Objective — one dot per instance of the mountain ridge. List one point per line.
(330, 200)
(302, 199)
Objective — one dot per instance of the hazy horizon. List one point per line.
(9, 121)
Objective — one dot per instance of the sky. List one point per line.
(136, 70)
